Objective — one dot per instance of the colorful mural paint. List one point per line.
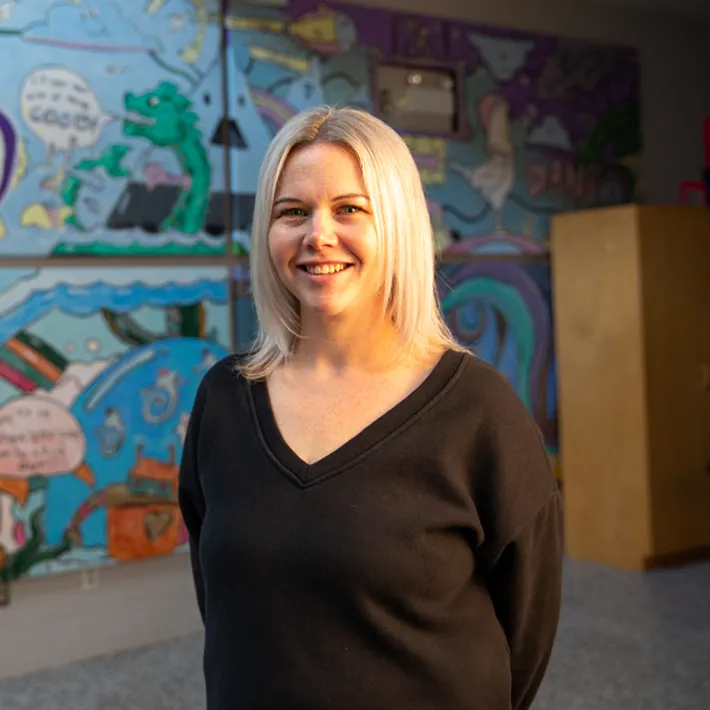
(546, 124)
(115, 112)
(502, 310)
(117, 140)
(98, 372)
(125, 130)
(245, 319)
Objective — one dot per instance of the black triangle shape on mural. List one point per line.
(232, 132)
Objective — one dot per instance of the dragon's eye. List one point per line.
(153, 101)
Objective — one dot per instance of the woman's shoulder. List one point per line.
(484, 383)
(509, 465)
(226, 371)
(488, 406)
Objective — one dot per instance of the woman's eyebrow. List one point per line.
(348, 196)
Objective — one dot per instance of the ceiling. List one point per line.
(688, 8)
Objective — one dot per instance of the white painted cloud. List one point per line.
(550, 134)
(503, 57)
(74, 380)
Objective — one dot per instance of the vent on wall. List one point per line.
(416, 98)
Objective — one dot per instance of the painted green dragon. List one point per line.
(109, 160)
(163, 117)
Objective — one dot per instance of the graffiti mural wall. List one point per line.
(502, 310)
(541, 124)
(115, 112)
(98, 372)
(126, 131)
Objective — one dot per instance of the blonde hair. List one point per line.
(402, 225)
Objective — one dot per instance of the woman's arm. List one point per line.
(190, 496)
(520, 507)
(525, 586)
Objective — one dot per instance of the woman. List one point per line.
(372, 519)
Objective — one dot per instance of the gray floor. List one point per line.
(626, 642)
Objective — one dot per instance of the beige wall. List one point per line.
(53, 621)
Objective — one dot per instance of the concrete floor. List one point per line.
(626, 641)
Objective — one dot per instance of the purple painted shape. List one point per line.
(577, 108)
(9, 138)
(513, 273)
(476, 244)
(415, 36)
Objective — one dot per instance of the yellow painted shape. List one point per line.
(285, 60)
(315, 28)
(62, 213)
(20, 165)
(427, 147)
(153, 6)
(36, 215)
(255, 24)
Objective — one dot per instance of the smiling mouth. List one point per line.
(139, 119)
(324, 269)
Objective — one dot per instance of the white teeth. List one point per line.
(319, 269)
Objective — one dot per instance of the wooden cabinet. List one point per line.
(632, 326)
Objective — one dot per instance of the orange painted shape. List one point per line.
(143, 530)
(42, 365)
(84, 473)
(18, 488)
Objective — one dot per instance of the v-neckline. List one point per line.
(307, 474)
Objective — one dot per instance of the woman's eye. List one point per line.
(351, 209)
(293, 212)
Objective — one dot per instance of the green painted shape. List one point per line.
(17, 363)
(33, 552)
(516, 313)
(98, 249)
(70, 190)
(47, 351)
(619, 127)
(162, 116)
(109, 160)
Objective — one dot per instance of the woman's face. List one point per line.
(322, 236)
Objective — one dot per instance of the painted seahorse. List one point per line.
(161, 399)
(191, 53)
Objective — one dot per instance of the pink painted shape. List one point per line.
(155, 175)
(20, 534)
(16, 378)
(486, 106)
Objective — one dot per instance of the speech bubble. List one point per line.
(62, 109)
(38, 437)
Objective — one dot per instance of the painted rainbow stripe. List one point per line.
(271, 107)
(27, 362)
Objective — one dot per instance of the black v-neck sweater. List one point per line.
(417, 567)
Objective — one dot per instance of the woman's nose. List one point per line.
(321, 229)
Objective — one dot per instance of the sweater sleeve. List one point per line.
(190, 495)
(520, 508)
(525, 586)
